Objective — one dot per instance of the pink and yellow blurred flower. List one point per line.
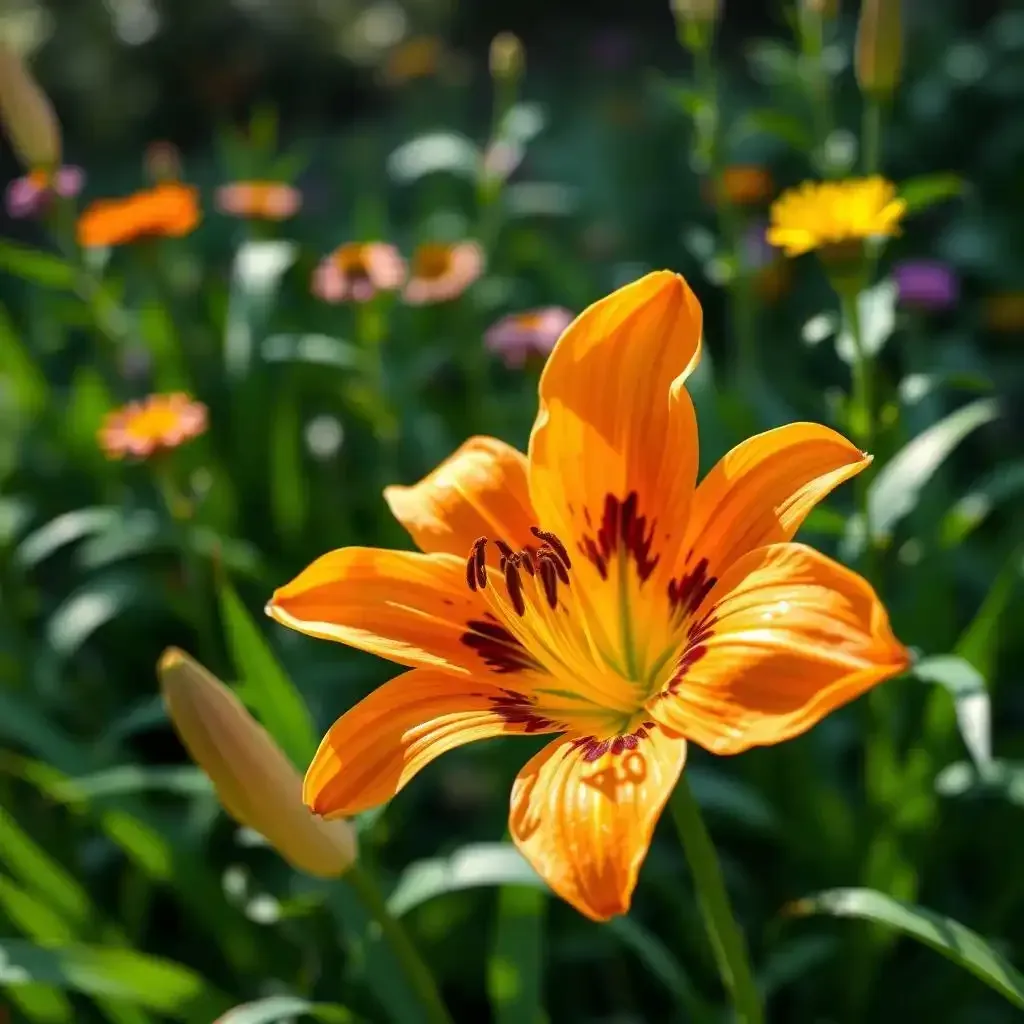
(357, 271)
(31, 194)
(516, 337)
(443, 272)
(154, 424)
(259, 200)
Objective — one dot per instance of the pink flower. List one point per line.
(514, 338)
(30, 195)
(259, 200)
(443, 272)
(357, 271)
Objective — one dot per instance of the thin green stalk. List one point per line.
(726, 937)
(812, 41)
(741, 293)
(388, 928)
(871, 136)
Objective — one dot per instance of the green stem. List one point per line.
(871, 136)
(726, 937)
(415, 971)
(741, 293)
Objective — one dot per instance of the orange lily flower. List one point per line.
(592, 592)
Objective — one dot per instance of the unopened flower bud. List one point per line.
(879, 48)
(828, 10)
(506, 58)
(695, 21)
(256, 783)
(26, 115)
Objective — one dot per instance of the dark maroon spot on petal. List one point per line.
(498, 648)
(693, 653)
(687, 594)
(592, 749)
(518, 709)
(622, 528)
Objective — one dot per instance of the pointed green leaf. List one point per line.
(42, 268)
(897, 488)
(953, 940)
(278, 1009)
(478, 864)
(97, 971)
(266, 688)
(966, 686)
(979, 642)
(928, 189)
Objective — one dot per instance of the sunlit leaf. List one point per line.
(432, 153)
(92, 606)
(157, 984)
(877, 308)
(65, 529)
(1001, 779)
(953, 940)
(469, 867)
(42, 268)
(979, 642)
(180, 780)
(967, 687)
(283, 1009)
(1001, 484)
(897, 487)
(928, 189)
(266, 687)
(777, 123)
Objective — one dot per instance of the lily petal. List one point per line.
(761, 491)
(786, 636)
(479, 491)
(585, 823)
(613, 453)
(373, 750)
(410, 608)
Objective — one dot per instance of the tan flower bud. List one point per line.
(695, 21)
(26, 115)
(879, 47)
(256, 783)
(506, 56)
(826, 9)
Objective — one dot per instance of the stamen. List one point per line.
(526, 561)
(549, 579)
(514, 585)
(506, 551)
(481, 564)
(547, 555)
(554, 543)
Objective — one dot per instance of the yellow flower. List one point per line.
(256, 783)
(156, 423)
(820, 215)
(591, 592)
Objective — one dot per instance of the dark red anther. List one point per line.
(477, 554)
(514, 586)
(526, 561)
(549, 579)
(481, 563)
(554, 543)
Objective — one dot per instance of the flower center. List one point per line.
(432, 261)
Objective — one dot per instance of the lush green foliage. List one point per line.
(130, 897)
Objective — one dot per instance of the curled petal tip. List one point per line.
(170, 659)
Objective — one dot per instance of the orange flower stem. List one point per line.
(727, 940)
(387, 927)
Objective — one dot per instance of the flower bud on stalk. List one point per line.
(256, 783)
(695, 22)
(27, 116)
(879, 48)
(506, 57)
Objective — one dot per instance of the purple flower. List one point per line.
(30, 195)
(926, 284)
(514, 338)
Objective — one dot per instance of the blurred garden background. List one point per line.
(530, 174)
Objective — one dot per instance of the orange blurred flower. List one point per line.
(259, 200)
(166, 210)
(591, 592)
(358, 270)
(419, 57)
(746, 185)
(443, 272)
(154, 424)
